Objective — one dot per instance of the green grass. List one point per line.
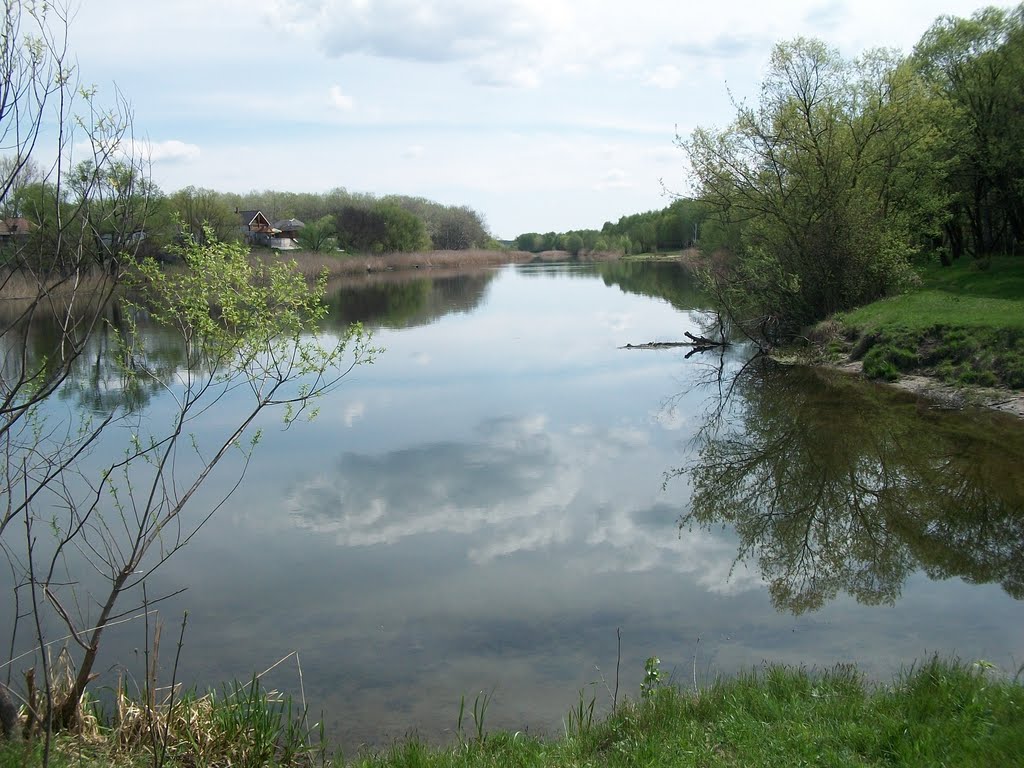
(959, 296)
(941, 713)
(963, 324)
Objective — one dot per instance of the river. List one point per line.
(509, 502)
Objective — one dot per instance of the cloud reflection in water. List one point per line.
(515, 488)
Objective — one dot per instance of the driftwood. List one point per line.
(699, 343)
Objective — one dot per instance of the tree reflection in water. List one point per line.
(833, 485)
(95, 380)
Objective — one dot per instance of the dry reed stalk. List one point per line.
(16, 285)
(312, 264)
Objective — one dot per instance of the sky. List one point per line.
(542, 115)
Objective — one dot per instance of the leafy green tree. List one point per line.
(449, 227)
(403, 231)
(573, 244)
(670, 234)
(111, 189)
(318, 235)
(529, 242)
(829, 181)
(360, 228)
(242, 327)
(203, 210)
(457, 228)
(976, 67)
(40, 202)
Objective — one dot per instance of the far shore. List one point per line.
(313, 264)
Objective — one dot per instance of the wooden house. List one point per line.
(256, 228)
(15, 229)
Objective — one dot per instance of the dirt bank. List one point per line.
(947, 396)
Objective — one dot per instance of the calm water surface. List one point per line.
(506, 487)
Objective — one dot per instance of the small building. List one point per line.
(15, 230)
(114, 242)
(286, 233)
(256, 228)
(289, 227)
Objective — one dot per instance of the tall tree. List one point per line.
(51, 271)
(318, 235)
(976, 68)
(202, 211)
(828, 181)
(240, 328)
(457, 228)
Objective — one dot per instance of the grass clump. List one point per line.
(963, 356)
(241, 725)
(887, 360)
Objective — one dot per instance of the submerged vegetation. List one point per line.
(939, 713)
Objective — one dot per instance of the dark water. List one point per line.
(506, 488)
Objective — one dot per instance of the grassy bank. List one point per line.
(962, 325)
(941, 713)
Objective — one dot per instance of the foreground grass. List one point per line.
(964, 325)
(942, 713)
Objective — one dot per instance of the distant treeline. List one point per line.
(124, 211)
(356, 222)
(670, 229)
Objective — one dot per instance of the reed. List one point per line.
(313, 264)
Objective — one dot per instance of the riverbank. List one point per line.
(941, 712)
(312, 264)
(957, 337)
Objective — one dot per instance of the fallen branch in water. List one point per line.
(700, 343)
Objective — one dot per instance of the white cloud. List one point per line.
(518, 487)
(354, 412)
(615, 179)
(413, 151)
(666, 76)
(616, 322)
(499, 74)
(672, 418)
(417, 30)
(170, 151)
(340, 100)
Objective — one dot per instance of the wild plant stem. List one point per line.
(618, 661)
